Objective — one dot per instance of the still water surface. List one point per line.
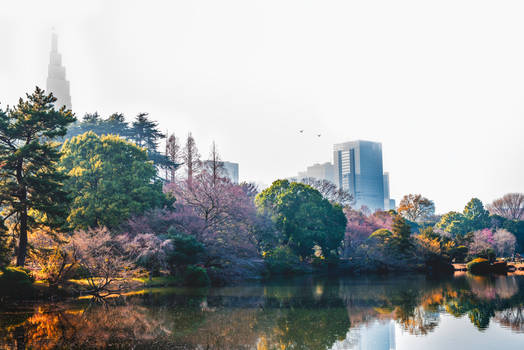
(407, 312)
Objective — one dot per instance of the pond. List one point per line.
(394, 312)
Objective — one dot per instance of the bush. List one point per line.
(186, 249)
(16, 282)
(196, 276)
(459, 253)
(499, 267)
(488, 254)
(282, 261)
(330, 262)
(479, 266)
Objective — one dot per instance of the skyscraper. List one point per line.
(56, 76)
(358, 169)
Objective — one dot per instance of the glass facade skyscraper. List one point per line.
(358, 169)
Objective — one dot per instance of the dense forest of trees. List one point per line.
(97, 199)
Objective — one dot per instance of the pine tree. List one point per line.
(31, 187)
(145, 133)
(116, 124)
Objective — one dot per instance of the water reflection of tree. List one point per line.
(304, 318)
(485, 296)
(96, 327)
(512, 318)
(311, 314)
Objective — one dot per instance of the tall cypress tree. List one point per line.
(31, 187)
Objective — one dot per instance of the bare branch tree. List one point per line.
(191, 157)
(215, 164)
(511, 206)
(174, 153)
(103, 262)
(330, 191)
(414, 207)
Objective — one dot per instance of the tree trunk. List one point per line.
(22, 243)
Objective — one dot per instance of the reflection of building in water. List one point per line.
(376, 335)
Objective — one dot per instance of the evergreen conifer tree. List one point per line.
(31, 187)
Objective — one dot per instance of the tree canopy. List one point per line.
(474, 217)
(303, 217)
(109, 180)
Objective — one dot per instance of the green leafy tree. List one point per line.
(396, 242)
(402, 234)
(109, 179)
(476, 215)
(303, 217)
(382, 240)
(32, 192)
(453, 223)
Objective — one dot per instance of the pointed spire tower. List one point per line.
(56, 76)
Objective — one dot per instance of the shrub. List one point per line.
(488, 254)
(16, 282)
(459, 253)
(499, 267)
(282, 261)
(479, 266)
(196, 276)
(328, 262)
(186, 249)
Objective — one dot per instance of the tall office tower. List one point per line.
(56, 77)
(228, 170)
(358, 169)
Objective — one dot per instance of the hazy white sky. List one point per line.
(439, 83)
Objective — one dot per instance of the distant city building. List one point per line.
(388, 202)
(323, 171)
(358, 169)
(56, 77)
(228, 170)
